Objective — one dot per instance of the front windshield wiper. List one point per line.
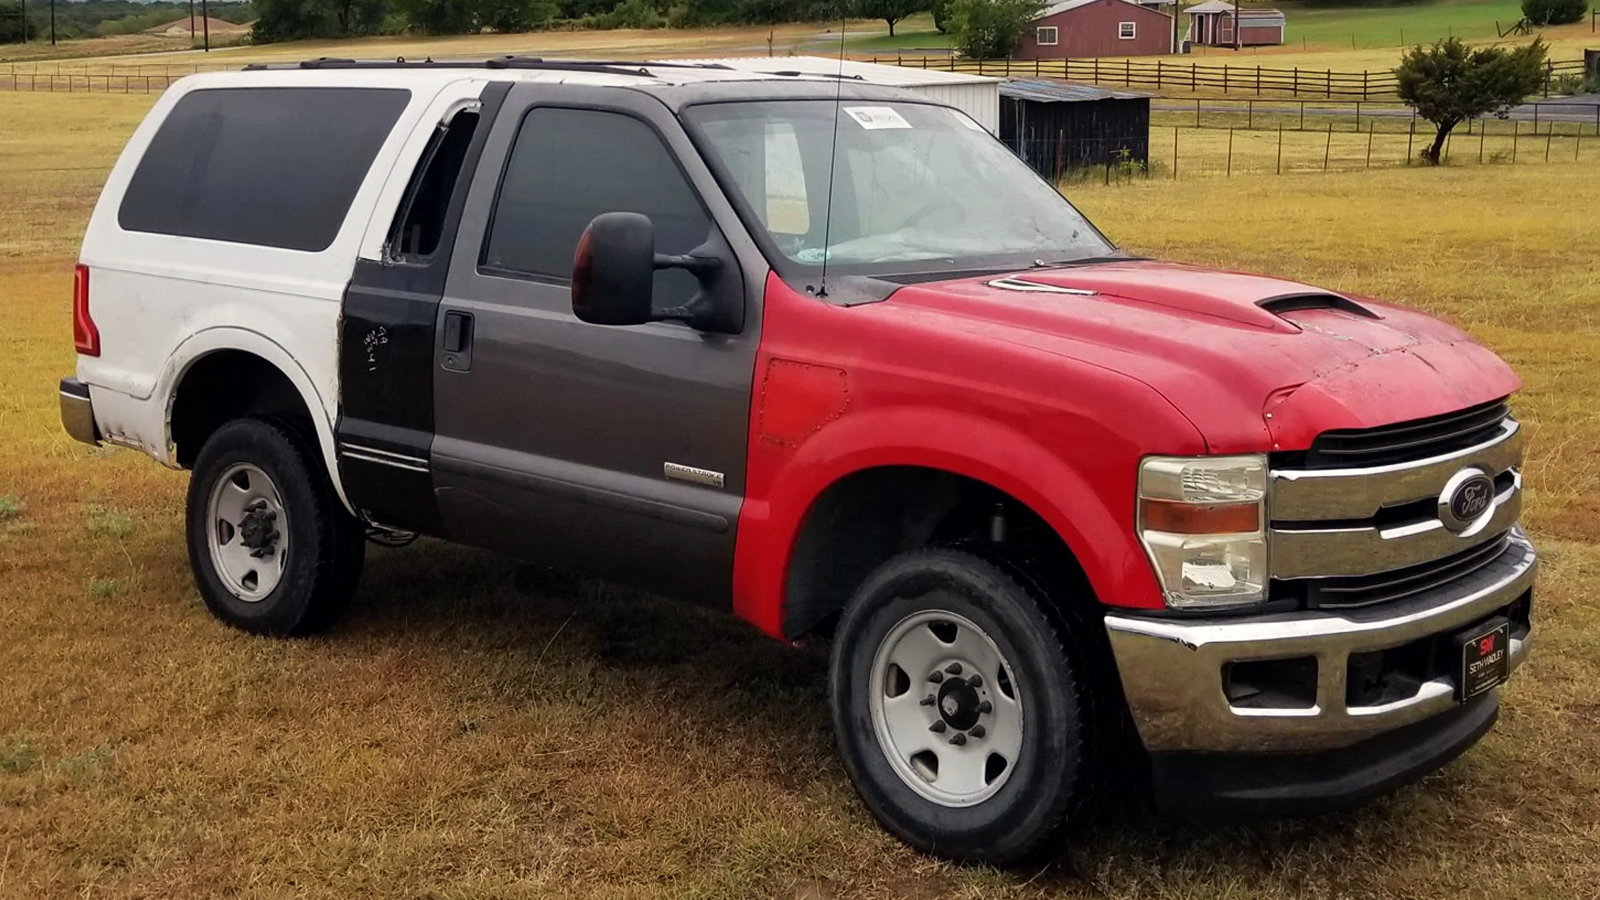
(1087, 261)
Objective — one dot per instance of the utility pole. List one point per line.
(1238, 28)
(191, 24)
(205, 23)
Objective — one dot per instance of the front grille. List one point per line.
(1407, 441)
(1351, 591)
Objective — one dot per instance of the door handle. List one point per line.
(457, 344)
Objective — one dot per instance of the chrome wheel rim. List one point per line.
(946, 708)
(247, 532)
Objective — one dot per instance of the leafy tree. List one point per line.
(441, 16)
(1554, 12)
(941, 15)
(507, 16)
(1450, 83)
(990, 29)
(13, 27)
(891, 11)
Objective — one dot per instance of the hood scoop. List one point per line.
(1035, 287)
(1288, 303)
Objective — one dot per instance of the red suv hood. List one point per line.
(1254, 362)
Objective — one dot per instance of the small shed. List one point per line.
(976, 95)
(1073, 29)
(1212, 23)
(1055, 126)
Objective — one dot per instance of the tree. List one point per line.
(507, 16)
(1450, 83)
(941, 15)
(13, 27)
(891, 11)
(990, 29)
(1554, 12)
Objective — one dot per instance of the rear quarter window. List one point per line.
(275, 167)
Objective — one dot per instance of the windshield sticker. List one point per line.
(873, 118)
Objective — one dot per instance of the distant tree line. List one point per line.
(98, 18)
(284, 20)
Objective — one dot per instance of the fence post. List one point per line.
(1548, 137)
(1329, 92)
(1174, 153)
(1516, 132)
(1327, 151)
(1536, 118)
(1224, 78)
(1280, 149)
(1250, 114)
(1577, 144)
(1127, 73)
(1302, 115)
(1197, 113)
(1258, 78)
(1412, 139)
(1358, 115)
(1371, 126)
(1158, 74)
(1194, 86)
(1230, 152)
(1364, 91)
(1097, 70)
(1481, 137)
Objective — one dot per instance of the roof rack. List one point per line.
(605, 66)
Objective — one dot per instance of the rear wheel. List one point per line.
(959, 707)
(272, 549)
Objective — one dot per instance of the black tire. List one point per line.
(1053, 776)
(326, 544)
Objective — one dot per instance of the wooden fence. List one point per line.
(1162, 75)
(1159, 75)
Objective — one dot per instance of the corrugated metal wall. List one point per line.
(980, 101)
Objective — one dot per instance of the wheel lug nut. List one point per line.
(975, 681)
(977, 731)
(959, 739)
(937, 727)
(953, 668)
(985, 706)
(926, 701)
(936, 677)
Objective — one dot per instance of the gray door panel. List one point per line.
(553, 434)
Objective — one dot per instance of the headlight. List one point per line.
(1202, 520)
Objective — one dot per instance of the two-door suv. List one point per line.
(829, 356)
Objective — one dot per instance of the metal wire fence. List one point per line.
(1181, 153)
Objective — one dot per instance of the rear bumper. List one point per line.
(77, 411)
(1178, 674)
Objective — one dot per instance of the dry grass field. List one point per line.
(465, 733)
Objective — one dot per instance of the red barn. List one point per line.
(1079, 28)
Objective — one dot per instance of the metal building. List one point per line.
(1057, 127)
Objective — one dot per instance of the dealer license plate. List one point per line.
(1485, 658)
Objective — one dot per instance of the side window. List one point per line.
(272, 166)
(419, 221)
(568, 166)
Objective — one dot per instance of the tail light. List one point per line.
(85, 336)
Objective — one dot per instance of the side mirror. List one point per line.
(613, 276)
(613, 270)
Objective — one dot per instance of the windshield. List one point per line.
(916, 187)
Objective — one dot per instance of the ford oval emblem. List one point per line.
(1466, 498)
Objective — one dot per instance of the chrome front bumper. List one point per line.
(1172, 669)
(77, 411)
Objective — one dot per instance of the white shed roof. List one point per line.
(1225, 6)
(872, 73)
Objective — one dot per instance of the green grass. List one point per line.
(1395, 24)
(912, 33)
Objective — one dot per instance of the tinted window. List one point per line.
(568, 166)
(271, 166)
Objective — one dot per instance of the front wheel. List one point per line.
(272, 549)
(959, 707)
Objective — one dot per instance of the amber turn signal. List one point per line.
(1175, 517)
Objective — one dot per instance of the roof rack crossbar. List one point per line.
(604, 66)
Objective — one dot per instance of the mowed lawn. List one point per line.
(469, 731)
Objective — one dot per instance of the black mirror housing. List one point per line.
(613, 270)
